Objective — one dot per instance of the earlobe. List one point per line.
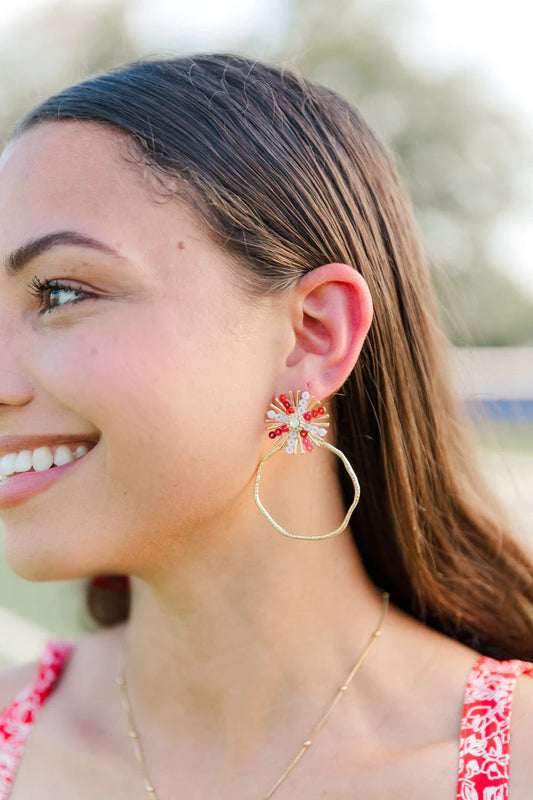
(333, 312)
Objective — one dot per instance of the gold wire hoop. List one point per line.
(277, 526)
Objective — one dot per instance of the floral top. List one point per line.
(17, 719)
(485, 728)
(483, 746)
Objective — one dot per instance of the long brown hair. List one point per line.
(286, 176)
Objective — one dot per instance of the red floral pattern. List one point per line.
(485, 726)
(485, 729)
(17, 719)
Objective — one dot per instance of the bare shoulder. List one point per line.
(91, 652)
(521, 762)
(14, 679)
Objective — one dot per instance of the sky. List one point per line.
(493, 39)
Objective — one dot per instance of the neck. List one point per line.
(245, 630)
(231, 645)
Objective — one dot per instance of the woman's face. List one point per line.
(144, 347)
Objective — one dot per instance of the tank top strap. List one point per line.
(17, 718)
(485, 729)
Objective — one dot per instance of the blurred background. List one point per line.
(445, 85)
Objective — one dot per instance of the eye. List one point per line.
(54, 294)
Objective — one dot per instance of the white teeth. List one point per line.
(42, 459)
(7, 464)
(23, 462)
(63, 455)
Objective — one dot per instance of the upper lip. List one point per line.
(14, 444)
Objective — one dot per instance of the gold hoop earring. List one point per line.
(301, 422)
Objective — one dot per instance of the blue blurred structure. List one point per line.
(496, 383)
(502, 410)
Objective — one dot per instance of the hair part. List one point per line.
(286, 176)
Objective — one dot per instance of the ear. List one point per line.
(332, 312)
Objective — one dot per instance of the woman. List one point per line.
(189, 245)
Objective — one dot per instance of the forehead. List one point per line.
(57, 171)
(72, 176)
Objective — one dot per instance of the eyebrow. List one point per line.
(21, 257)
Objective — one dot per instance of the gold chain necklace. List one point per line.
(134, 735)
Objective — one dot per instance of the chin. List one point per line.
(37, 564)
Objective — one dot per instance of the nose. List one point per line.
(15, 389)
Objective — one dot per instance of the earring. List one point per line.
(301, 423)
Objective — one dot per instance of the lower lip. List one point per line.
(19, 488)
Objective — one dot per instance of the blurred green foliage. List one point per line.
(460, 157)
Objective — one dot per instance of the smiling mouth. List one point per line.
(42, 459)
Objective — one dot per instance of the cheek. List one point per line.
(181, 416)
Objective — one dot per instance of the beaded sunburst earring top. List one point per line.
(298, 421)
(300, 424)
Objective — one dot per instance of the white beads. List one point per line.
(271, 413)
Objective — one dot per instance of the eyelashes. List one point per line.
(54, 294)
